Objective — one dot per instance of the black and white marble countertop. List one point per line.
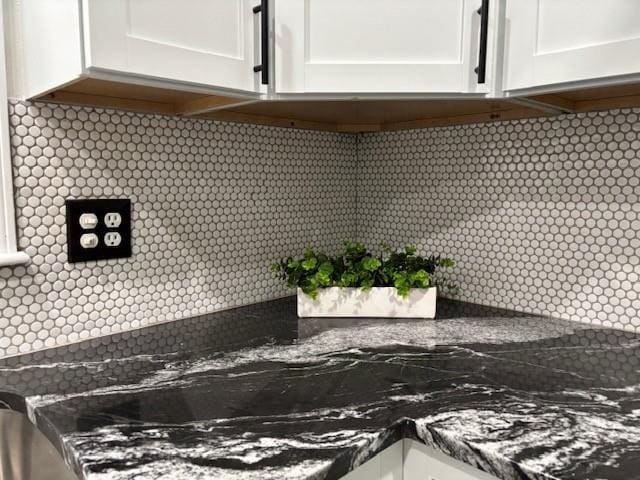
(255, 393)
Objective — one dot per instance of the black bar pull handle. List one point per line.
(481, 69)
(263, 68)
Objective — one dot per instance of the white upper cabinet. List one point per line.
(551, 43)
(204, 42)
(373, 46)
(208, 46)
(322, 48)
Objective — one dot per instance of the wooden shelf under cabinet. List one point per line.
(373, 115)
(594, 99)
(339, 115)
(138, 98)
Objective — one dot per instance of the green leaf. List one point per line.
(420, 279)
(326, 268)
(410, 249)
(366, 284)
(322, 278)
(348, 279)
(293, 264)
(310, 290)
(386, 247)
(401, 282)
(309, 263)
(371, 264)
(354, 248)
(447, 263)
(400, 279)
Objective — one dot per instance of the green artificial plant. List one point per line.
(356, 267)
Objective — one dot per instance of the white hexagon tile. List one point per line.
(542, 215)
(213, 205)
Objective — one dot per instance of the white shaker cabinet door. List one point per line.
(555, 42)
(205, 42)
(377, 46)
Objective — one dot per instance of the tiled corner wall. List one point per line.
(542, 215)
(213, 205)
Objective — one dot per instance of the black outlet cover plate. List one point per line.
(99, 207)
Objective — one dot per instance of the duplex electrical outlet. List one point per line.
(98, 229)
(112, 220)
(112, 239)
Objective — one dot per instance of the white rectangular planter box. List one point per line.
(377, 302)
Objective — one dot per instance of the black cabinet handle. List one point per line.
(263, 68)
(481, 69)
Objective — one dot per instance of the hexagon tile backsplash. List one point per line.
(213, 205)
(543, 215)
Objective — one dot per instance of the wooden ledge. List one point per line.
(346, 116)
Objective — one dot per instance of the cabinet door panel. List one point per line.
(421, 463)
(386, 465)
(559, 41)
(417, 26)
(207, 42)
(216, 29)
(376, 46)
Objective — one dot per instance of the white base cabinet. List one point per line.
(411, 460)
(387, 465)
(424, 463)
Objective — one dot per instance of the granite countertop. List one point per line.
(255, 393)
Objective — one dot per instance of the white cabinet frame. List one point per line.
(9, 254)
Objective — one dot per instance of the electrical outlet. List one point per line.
(112, 220)
(112, 239)
(98, 229)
